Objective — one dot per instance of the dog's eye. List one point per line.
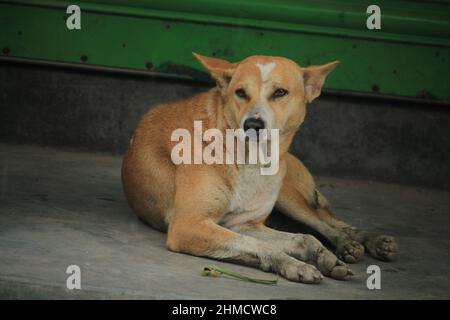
(279, 93)
(241, 93)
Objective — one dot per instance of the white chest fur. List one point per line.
(254, 196)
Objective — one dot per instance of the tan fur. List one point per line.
(205, 208)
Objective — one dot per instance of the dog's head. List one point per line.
(263, 92)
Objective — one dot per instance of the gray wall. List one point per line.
(342, 136)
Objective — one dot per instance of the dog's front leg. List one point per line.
(301, 246)
(298, 200)
(201, 199)
(206, 238)
(379, 246)
(349, 241)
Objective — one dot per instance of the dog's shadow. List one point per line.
(281, 222)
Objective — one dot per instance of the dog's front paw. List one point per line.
(298, 271)
(331, 266)
(382, 247)
(350, 251)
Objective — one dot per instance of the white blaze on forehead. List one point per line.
(265, 70)
(262, 109)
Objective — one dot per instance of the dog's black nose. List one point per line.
(253, 123)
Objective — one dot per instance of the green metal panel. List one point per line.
(408, 57)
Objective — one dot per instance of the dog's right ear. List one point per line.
(220, 70)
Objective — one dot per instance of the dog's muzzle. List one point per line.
(254, 123)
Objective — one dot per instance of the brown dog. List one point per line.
(218, 210)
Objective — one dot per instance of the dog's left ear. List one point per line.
(314, 78)
(220, 70)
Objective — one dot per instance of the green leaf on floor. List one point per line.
(215, 271)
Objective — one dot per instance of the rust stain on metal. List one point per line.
(6, 50)
(424, 94)
(376, 88)
(226, 52)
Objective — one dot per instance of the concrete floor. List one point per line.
(59, 208)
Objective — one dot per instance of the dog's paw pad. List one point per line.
(350, 251)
